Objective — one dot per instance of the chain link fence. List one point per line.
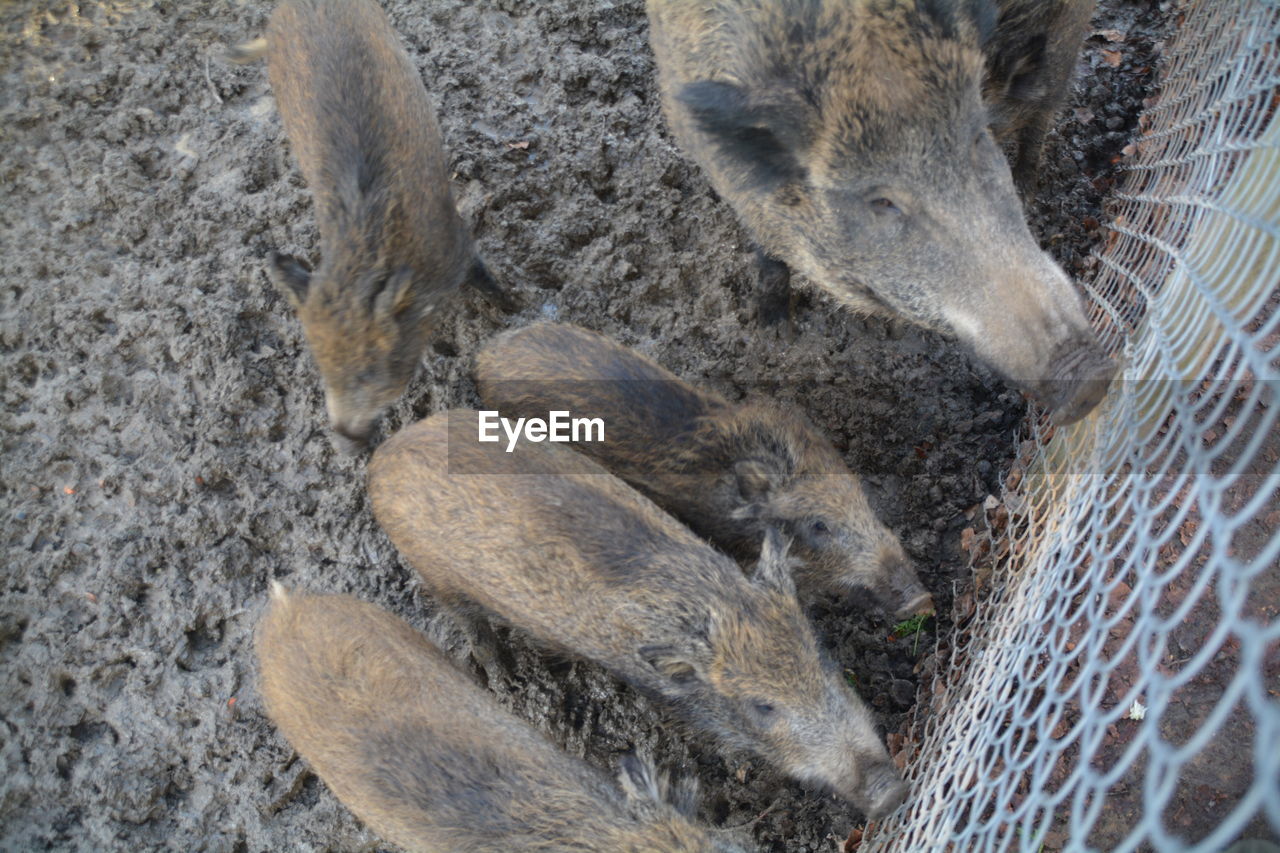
(1114, 680)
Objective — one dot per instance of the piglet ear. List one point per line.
(395, 296)
(755, 479)
(1016, 74)
(682, 794)
(761, 139)
(638, 779)
(773, 569)
(682, 665)
(291, 276)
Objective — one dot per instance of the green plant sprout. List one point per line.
(913, 626)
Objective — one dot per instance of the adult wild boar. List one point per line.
(851, 137)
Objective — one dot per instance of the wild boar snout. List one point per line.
(352, 425)
(882, 791)
(1081, 375)
(892, 580)
(910, 597)
(350, 442)
(1031, 326)
(869, 780)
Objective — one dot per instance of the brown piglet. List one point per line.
(553, 545)
(729, 471)
(428, 759)
(394, 249)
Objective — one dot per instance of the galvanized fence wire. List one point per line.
(1115, 683)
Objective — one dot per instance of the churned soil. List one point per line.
(164, 444)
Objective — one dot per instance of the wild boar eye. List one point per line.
(882, 205)
(763, 710)
(819, 528)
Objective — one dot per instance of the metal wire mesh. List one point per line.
(1117, 684)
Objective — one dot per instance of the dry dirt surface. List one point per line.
(164, 449)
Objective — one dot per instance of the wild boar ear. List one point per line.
(682, 794)
(290, 276)
(396, 295)
(1023, 70)
(755, 479)
(984, 14)
(773, 569)
(763, 139)
(681, 665)
(638, 779)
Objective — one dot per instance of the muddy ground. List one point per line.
(164, 447)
